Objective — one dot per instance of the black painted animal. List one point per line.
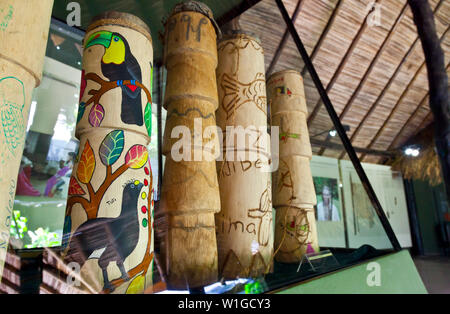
(109, 239)
(119, 64)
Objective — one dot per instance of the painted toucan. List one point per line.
(118, 64)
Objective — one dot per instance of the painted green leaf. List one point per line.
(66, 231)
(148, 118)
(81, 109)
(111, 148)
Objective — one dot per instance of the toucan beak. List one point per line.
(99, 38)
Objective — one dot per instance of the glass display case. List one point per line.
(359, 209)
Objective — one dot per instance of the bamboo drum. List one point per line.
(108, 230)
(24, 27)
(244, 225)
(293, 188)
(190, 193)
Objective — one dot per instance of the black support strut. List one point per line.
(339, 128)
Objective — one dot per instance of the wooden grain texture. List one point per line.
(244, 224)
(190, 192)
(24, 31)
(293, 190)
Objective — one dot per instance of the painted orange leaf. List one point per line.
(136, 156)
(75, 188)
(86, 165)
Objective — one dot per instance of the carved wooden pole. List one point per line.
(108, 228)
(293, 189)
(437, 81)
(244, 225)
(190, 192)
(24, 27)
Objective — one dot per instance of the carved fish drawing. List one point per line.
(236, 93)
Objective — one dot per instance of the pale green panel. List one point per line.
(398, 274)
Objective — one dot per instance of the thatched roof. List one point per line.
(375, 75)
(426, 166)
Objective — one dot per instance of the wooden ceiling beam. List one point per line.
(341, 65)
(394, 109)
(371, 65)
(337, 146)
(421, 127)
(388, 85)
(324, 34)
(397, 104)
(283, 40)
(411, 117)
(375, 59)
(424, 123)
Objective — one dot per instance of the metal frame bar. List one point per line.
(339, 128)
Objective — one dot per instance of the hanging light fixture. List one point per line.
(412, 151)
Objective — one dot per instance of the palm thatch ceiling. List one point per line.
(374, 73)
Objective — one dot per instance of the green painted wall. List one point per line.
(398, 274)
(427, 215)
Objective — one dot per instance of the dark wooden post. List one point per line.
(437, 80)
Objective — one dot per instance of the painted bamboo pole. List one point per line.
(244, 224)
(108, 227)
(24, 27)
(293, 189)
(190, 192)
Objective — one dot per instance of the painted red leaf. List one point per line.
(136, 156)
(75, 188)
(83, 84)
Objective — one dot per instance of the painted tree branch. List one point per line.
(437, 80)
(106, 86)
(92, 205)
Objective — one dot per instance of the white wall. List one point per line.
(359, 219)
(58, 93)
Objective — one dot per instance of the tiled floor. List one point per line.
(435, 273)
